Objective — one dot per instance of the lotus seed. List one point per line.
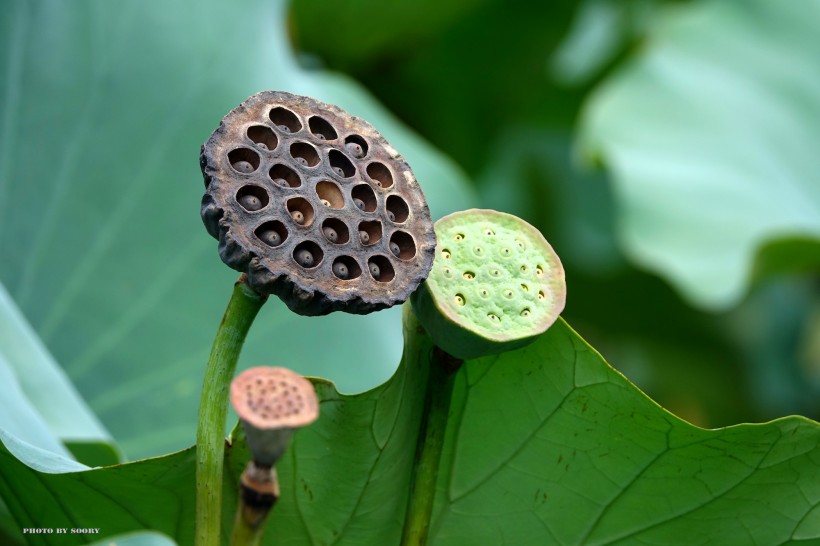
(261, 145)
(304, 257)
(325, 202)
(354, 149)
(297, 216)
(250, 202)
(539, 271)
(320, 136)
(493, 317)
(459, 237)
(330, 233)
(469, 275)
(281, 182)
(375, 272)
(243, 167)
(460, 299)
(340, 270)
(445, 254)
(478, 250)
(391, 216)
(495, 273)
(359, 203)
(394, 248)
(523, 269)
(284, 128)
(484, 293)
(506, 252)
(302, 161)
(541, 295)
(270, 237)
(508, 293)
(364, 237)
(339, 171)
(489, 232)
(525, 288)
(525, 313)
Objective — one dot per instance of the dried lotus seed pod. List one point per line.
(495, 285)
(290, 181)
(271, 403)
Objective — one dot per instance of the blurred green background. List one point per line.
(667, 150)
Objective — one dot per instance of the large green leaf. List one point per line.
(545, 445)
(710, 134)
(104, 107)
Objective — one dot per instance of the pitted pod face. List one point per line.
(495, 284)
(273, 398)
(315, 206)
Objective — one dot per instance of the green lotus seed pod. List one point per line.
(340, 270)
(330, 234)
(496, 284)
(243, 167)
(304, 258)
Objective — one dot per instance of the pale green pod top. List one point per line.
(495, 285)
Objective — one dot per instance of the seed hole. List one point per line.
(284, 176)
(488, 232)
(459, 237)
(335, 231)
(495, 272)
(330, 194)
(524, 268)
(478, 251)
(525, 312)
(445, 254)
(366, 197)
(308, 254)
(263, 136)
(272, 233)
(469, 275)
(405, 247)
(341, 164)
(243, 160)
(380, 268)
(300, 211)
(398, 208)
(321, 128)
(252, 198)
(370, 233)
(460, 300)
(346, 268)
(541, 295)
(493, 317)
(508, 293)
(538, 271)
(484, 293)
(285, 120)
(525, 288)
(304, 154)
(380, 174)
(448, 273)
(505, 252)
(356, 146)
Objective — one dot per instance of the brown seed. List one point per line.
(359, 203)
(250, 202)
(375, 272)
(330, 233)
(391, 216)
(364, 237)
(270, 237)
(284, 128)
(354, 149)
(243, 167)
(339, 171)
(302, 161)
(320, 136)
(281, 182)
(340, 270)
(261, 145)
(297, 216)
(394, 248)
(304, 257)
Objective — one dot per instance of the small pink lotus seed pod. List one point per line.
(271, 403)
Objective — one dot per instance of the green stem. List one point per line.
(213, 408)
(440, 382)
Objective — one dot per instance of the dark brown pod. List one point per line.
(290, 178)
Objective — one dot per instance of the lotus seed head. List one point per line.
(331, 234)
(301, 161)
(243, 167)
(359, 203)
(281, 182)
(297, 216)
(339, 171)
(304, 257)
(340, 270)
(391, 216)
(364, 237)
(375, 272)
(270, 237)
(394, 248)
(250, 202)
(354, 149)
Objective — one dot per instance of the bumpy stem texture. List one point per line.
(213, 408)
(440, 382)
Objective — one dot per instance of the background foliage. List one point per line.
(666, 150)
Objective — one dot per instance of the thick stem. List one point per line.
(213, 408)
(259, 491)
(440, 383)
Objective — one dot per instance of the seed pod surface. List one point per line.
(279, 170)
